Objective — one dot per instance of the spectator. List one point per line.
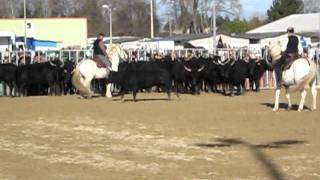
(304, 46)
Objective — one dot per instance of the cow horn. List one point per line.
(201, 69)
(258, 60)
(51, 63)
(216, 63)
(226, 62)
(232, 63)
(62, 64)
(187, 69)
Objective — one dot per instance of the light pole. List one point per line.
(151, 14)
(109, 8)
(25, 30)
(214, 27)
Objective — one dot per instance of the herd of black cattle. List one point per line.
(181, 76)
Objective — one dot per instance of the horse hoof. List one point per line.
(299, 110)
(275, 109)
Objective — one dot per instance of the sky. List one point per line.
(250, 7)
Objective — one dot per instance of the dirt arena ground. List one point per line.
(198, 137)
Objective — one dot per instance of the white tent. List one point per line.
(7, 39)
(303, 23)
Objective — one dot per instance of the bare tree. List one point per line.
(195, 15)
(311, 6)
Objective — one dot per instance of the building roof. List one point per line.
(185, 37)
(258, 36)
(303, 23)
(122, 40)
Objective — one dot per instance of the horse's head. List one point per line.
(118, 52)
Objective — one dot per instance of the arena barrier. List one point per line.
(267, 81)
(17, 57)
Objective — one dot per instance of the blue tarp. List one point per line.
(33, 43)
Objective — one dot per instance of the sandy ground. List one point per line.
(198, 137)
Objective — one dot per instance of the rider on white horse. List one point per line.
(100, 53)
(291, 53)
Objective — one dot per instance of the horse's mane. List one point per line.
(113, 47)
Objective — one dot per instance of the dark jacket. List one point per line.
(96, 48)
(292, 46)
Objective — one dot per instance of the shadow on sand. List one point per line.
(285, 106)
(256, 149)
(144, 99)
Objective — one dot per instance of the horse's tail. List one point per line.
(76, 81)
(306, 81)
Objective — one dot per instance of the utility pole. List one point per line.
(110, 19)
(109, 8)
(25, 30)
(214, 27)
(170, 25)
(151, 14)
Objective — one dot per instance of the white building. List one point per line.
(302, 23)
(7, 40)
(228, 41)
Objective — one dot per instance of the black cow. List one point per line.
(133, 79)
(39, 75)
(256, 70)
(65, 76)
(212, 73)
(187, 73)
(235, 75)
(8, 76)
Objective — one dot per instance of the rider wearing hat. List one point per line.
(100, 52)
(290, 54)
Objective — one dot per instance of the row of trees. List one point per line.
(132, 17)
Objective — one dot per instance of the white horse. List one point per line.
(301, 75)
(87, 70)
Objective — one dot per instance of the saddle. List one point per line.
(98, 62)
(290, 58)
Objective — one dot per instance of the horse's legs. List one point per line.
(276, 102)
(314, 95)
(288, 98)
(108, 90)
(134, 93)
(87, 83)
(122, 95)
(303, 98)
(257, 84)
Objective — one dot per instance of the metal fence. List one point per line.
(17, 57)
(267, 81)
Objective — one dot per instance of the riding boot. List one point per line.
(278, 71)
(108, 72)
